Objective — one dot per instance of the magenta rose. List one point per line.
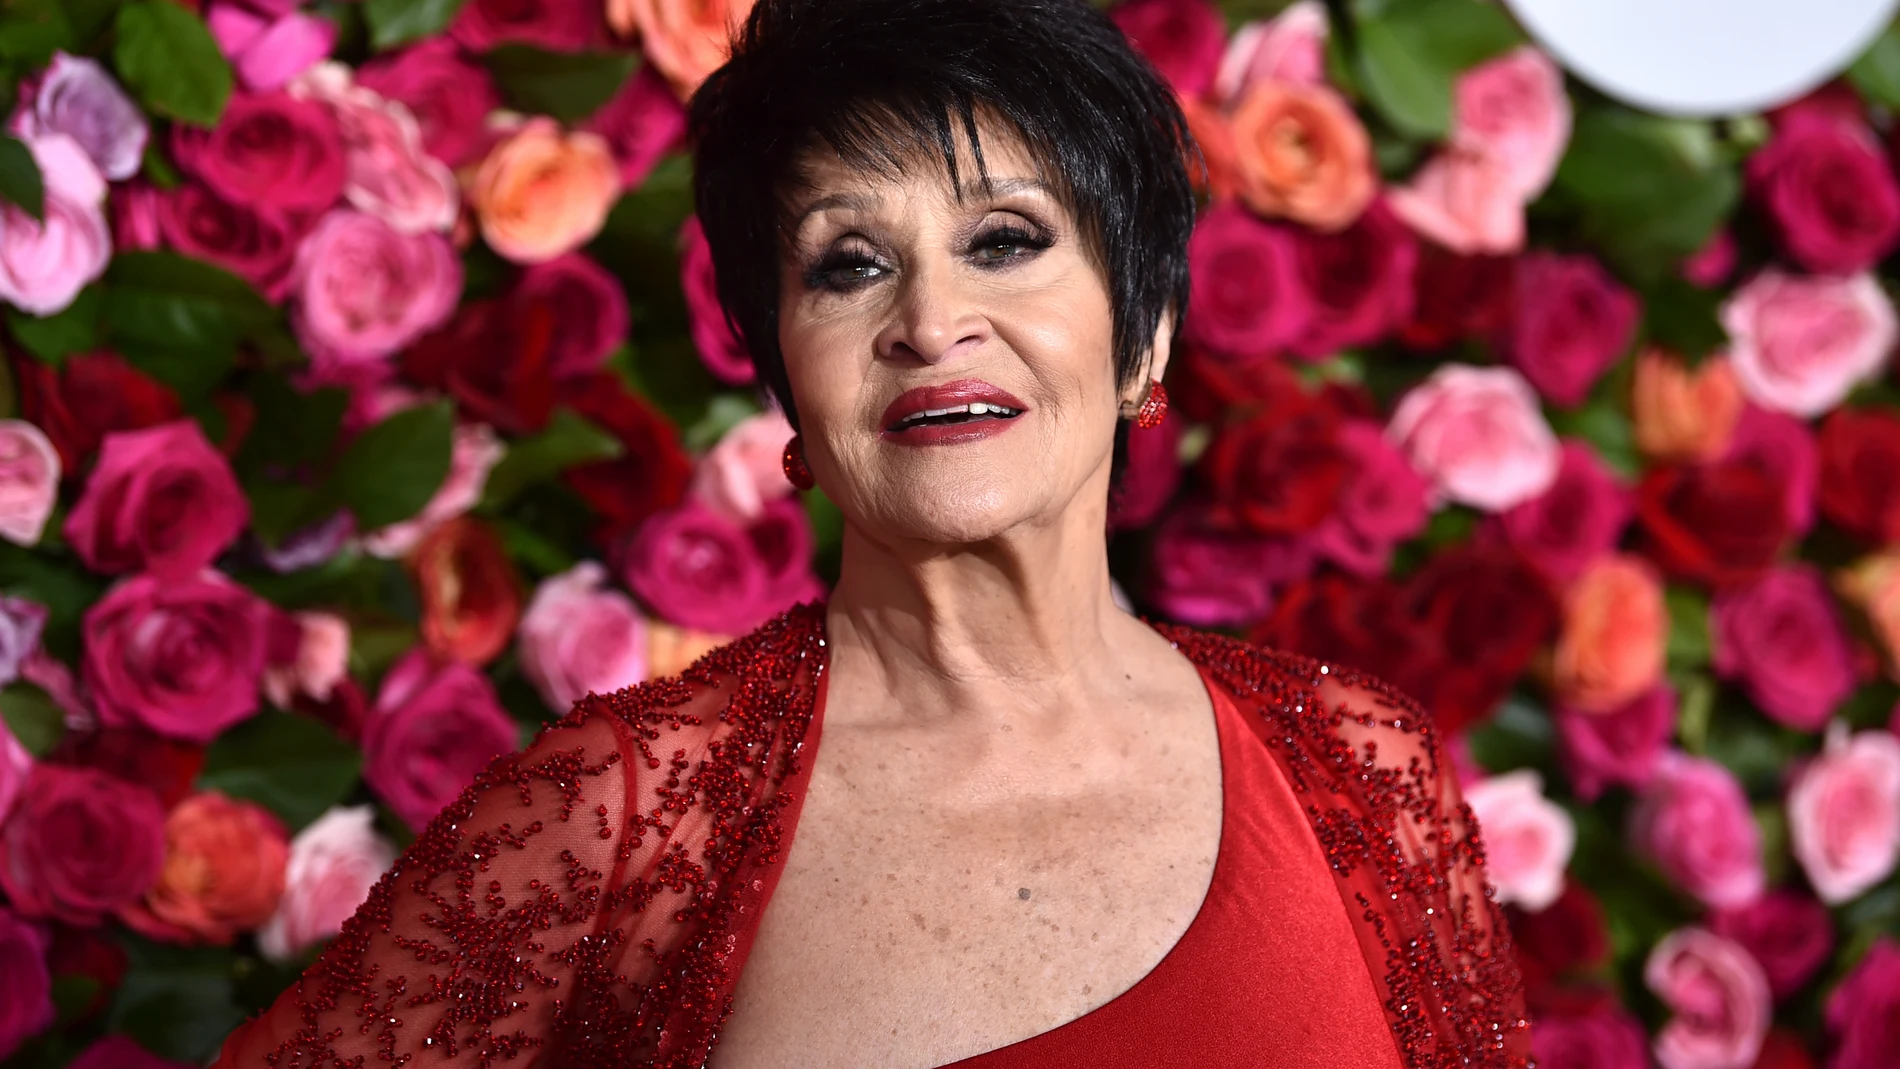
(1358, 283)
(366, 290)
(257, 245)
(1382, 502)
(1478, 435)
(269, 150)
(1783, 448)
(1572, 322)
(1150, 477)
(587, 311)
(160, 499)
(1788, 933)
(1578, 519)
(45, 262)
(1603, 1037)
(720, 347)
(1247, 300)
(579, 636)
(449, 95)
(1827, 191)
(1800, 344)
(556, 25)
(1693, 821)
(1863, 1014)
(333, 864)
(26, 986)
(1783, 639)
(1844, 814)
(698, 568)
(641, 123)
(433, 728)
(134, 208)
(121, 1052)
(1212, 577)
(1719, 996)
(76, 97)
(80, 845)
(1183, 39)
(180, 658)
(1711, 265)
(1621, 747)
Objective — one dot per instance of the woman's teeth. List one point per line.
(973, 410)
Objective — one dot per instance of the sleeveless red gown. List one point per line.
(589, 903)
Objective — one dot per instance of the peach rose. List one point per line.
(543, 191)
(1683, 414)
(1873, 585)
(1528, 838)
(333, 864)
(321, 660)
(1302, 153)
(1844, 813)
(671, 648)
(684, 39)
(1614, 633)
(223, 873)
(1214, 136)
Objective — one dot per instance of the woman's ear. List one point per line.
(1163, 346)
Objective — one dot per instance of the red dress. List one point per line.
(591, 901)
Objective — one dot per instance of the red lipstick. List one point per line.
(962, 411)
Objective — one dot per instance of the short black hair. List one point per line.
(880, 81)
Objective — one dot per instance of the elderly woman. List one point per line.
(969, 812)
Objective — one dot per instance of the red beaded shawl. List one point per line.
(590, 901)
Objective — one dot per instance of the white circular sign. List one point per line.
(1704, 57)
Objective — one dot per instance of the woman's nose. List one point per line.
(934, 320)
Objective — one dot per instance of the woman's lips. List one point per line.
(965, 394)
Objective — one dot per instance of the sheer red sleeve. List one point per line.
(583, 903)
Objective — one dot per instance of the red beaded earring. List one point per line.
(1154, 406)
(796, 472)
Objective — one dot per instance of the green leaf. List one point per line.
(289, 764)
(20, 181)
(567, 440)
(32, 30)
(303, 425)
(1521, 735)
(1688, 627)
(1649, 190)
(391, 470)
(1683, 317)
(1410, 56)
(73, 329)
(177, 1002)
(33, 717)
(180, 319)
(168, 59)
(398, 22)
(568, 86)
(73, 994)
(1877, 72)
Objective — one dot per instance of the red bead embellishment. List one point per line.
(796, 472)
(1154, 406)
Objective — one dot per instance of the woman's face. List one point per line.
(900, 298)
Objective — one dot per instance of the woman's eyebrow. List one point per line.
(859, 200)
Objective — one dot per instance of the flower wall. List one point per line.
(366, 401)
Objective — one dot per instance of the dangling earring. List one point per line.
(1154, 406)
(796, 472)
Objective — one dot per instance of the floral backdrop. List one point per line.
(366, 401)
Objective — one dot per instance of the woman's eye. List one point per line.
(1003, 245)
(843, 272)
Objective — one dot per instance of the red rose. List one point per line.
(1569, 935)
(1722, 524)
(1489, 611)
(1457, 297)
(470, 594)
(1860, 473)
(258, 245)
(1790, 933)
(494, 358)
(89, 397)
(80, 845)
(1571, 322)
(1358, 283)
(651, 473)
(587, 306)
(88, 953)
(1279, 470)
(1603, 1037)
(269, 151)
(167, 767)
(556, 25)
(1783, 1050)
(1348, 621)
(1827, 191)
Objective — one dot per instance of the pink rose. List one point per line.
(1720, 998)
(1528, 838)
(1577, 520)
(269, 150)
(21, 622)
(1844, 814)
(1572, 321)
(29, 481)
(1828, 192)
(473, 453)
(1621, 747)
(449, 95)
(1357, 281)
(1477, 434)
(588, 311)
(1464, 201)
(556, 25)
(1604, 1037)
(26, 986)
(44, 263)
(1383, 502)
(696, 568)
(1863, 1014)
(1693, 821)
(319, 660)
(1247, 300)
(433, 728)
(121, 1052)
(180, 658)
(578, 636)
(745, 471)
(642, 122)
(1783, 639)
(80, 845)
(366, 290)
(258, 245)
(1290, 47)
(1183, 39)
(267, 51)
(1210, 577)
(1783, 448)
(1513, 111)
(79, 99)
(389, 175)
(160, 499)
(16, 764)
(1789, 934)
(333, 864)
(720, 347)
(1150, 477)
(1800, 344)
